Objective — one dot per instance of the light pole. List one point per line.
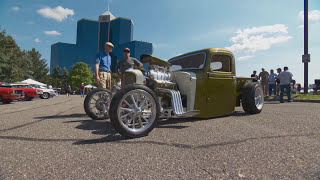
(306, 56)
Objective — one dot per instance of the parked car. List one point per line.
(47, 93)
(201, 84)
(8, 94)
(30, 92)
(57, 90)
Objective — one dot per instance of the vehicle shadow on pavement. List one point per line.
(104, 127)
(62, 116)
(100, 127)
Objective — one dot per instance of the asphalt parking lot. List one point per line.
(54, 139)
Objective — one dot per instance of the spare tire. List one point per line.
(252, 98)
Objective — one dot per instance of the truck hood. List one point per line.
(152, 60)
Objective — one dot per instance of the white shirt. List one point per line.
(285, 77)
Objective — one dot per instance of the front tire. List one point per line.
(45, 96)
(252, 98)
(135, 111)
(96, 104)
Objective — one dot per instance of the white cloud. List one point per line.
(58, 13)
(313, 15)
(15, 8)
(259, 38)
(37, 40)
(52, 33)
(245, 57)
(301, 26)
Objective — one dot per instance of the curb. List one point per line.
(298, 100)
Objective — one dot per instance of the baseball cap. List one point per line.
(109, 44)
(126, 50)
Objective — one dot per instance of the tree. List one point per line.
(80, 73)
(17, 65)
(56, 77)
(57, 72)
(10, 58)
(38, 66)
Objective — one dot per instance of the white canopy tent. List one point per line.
(90, 86)
(31, 81)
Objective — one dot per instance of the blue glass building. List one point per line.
(91, 37)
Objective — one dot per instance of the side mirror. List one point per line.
(215, 65)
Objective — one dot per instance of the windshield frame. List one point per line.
(187, 55)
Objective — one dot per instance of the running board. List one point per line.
(177, 104)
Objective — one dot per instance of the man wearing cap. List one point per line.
(263, 76)
(126, 63)
(102, 67)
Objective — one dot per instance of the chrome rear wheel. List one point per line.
(97, 103)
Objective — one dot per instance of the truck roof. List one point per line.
(218, 50)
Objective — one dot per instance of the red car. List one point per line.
(8, 94)
(30, 92)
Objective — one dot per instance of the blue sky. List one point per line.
(264, 33)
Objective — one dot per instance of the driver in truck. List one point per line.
(126, 63)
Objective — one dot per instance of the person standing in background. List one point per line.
(263, 76)
(68, 89)
(255, 76)
(272, 82)
(285, 80)
(278, 81)
(82, 90)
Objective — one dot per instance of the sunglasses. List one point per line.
(126, 51)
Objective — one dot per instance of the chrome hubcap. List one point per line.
(137, 111)
(99, 103)
(259, 98)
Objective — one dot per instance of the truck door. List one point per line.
(221, 83)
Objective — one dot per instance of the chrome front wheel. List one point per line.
(134, 111)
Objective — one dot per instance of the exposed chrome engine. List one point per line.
(159, 73)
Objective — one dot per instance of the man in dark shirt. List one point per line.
(126, 63)
(255, 76)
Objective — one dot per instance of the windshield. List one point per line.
(4, 84)
(193, 61)
(34, 86)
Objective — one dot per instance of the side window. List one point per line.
(220, 63)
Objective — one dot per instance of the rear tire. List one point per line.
(135, 111)
(252, 98)
(7, 101)
(94, 102)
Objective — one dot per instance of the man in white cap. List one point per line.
(102, 67)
